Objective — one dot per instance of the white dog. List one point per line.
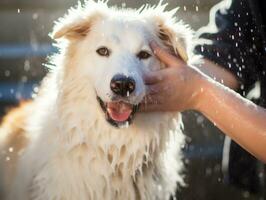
(82, 137)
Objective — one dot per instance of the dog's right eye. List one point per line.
(103, 51)
(142, 55)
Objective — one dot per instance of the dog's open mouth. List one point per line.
(118, 113)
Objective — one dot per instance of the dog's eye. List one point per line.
(143, 55)
(103, 51)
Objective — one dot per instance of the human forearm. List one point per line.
(218, 73)
(240, 119)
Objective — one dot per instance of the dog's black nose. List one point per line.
(122, 85)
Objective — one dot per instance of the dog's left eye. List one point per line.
(143, 55)
(103, 51)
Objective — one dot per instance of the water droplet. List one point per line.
(24, 79)
(246, 194)
(7, 73)
(36, 89)
(26, 65)
(200, 119)
(208, 171)
(35, 16)
(33, 96)
(10, 149)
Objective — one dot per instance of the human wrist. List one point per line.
(201, 94)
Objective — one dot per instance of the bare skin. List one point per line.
(219, 74)
(180, 87)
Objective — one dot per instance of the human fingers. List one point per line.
(157, 88)
(164, 56)
(151, 103)
(156, 76)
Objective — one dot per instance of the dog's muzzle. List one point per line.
(118, 113)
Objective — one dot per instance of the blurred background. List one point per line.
(25, 44)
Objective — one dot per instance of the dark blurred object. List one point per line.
(244, 170)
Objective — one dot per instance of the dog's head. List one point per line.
(109, 47)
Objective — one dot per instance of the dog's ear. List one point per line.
(77, 22)
(72, 30)
(174, 40)
(174, 34)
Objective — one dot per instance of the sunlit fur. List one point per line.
(71, 152)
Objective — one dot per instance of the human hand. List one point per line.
(175, 88)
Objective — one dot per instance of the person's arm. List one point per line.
(240, 119)
(219, 74)
(180, 87)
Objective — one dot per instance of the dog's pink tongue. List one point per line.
(119, 111)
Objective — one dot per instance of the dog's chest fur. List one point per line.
(77, 155)
(133, 163)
